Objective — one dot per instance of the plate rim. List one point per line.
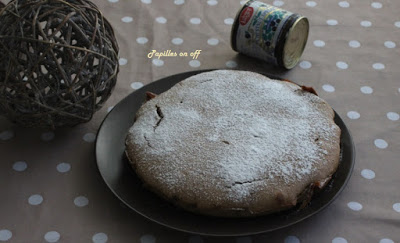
(191, 73)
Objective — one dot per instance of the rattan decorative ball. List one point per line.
(58, 62)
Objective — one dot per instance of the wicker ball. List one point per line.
(58, 62)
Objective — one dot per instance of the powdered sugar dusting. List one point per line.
(231, 131)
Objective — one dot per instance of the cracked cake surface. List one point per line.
(234, 144)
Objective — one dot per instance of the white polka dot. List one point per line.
(305, 64)
(195, 21)
(47, 136)
(344, 4)
(113, 1)
(161, 20)
(378, 66)
(386, 240)
(35, 199)
(278, 3)
(291, 239)
(390, 44)
(212, 2)
(5, 235)
(195, 239)
(177, 41)
(355, 206)
(122, 61)
(354, 44)
(81, 201)
(231, 64)
(396, 207)
(89, 137)
(246, 239)
(339, 240)
(365, 23)
(20, 166)
(342, 65)
(397, 24)
(179, 2)
(110, 108)
(63, 167)
(368, 174)
(332, 22)
(157, 62)
(127, 19)
(147, 239)
(393, 116)
(136, 85)
(146, 1)
(100, 238)
(228, 21)
(142, 40)
(213, 41)
(52, 236)
(354, 115)
(194, 63)
(366, 90)
(380, 143)
(328, 88)
(311, 4)
(376, 5)
(319, 43)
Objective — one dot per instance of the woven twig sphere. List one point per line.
(58, 62)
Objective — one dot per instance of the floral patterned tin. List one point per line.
(269, 33)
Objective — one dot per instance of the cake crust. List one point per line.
(234, 144)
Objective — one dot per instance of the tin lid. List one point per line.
(235, 24)
(295, 42)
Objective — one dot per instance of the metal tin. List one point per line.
(269, 33)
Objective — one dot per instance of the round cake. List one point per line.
(234, 144)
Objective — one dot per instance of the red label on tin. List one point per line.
(245, 15)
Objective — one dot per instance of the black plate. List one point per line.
(123, 182)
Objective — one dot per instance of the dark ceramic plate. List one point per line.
(124, 183)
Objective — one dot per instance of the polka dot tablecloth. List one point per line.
(51, 190)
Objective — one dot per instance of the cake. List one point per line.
(234, 144)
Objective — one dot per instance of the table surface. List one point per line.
(51, 190)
